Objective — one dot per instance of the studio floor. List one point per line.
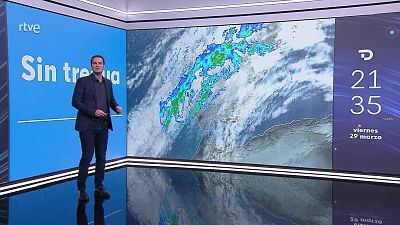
(155, 196)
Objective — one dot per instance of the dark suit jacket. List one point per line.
(84, 100)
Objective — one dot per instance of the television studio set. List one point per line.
(241, 112)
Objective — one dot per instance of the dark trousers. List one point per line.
(93, 141)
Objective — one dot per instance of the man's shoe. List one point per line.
(102, 193)
(83, 196)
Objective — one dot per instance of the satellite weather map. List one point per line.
(251, 93)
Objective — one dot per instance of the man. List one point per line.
(93, 96)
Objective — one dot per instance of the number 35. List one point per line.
(359, 103)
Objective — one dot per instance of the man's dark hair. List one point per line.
(97, 56)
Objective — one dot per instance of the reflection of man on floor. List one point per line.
(81, 217)
(93, 96)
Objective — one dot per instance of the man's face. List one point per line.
(97, 65)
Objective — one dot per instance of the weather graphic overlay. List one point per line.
(366, 84)
(216, 55)
(251, 93)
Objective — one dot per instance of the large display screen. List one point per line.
(316, 93)
(251, 93)
(47, 54)
(366, 94)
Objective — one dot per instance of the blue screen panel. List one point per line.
(366, 92)
(47, 53)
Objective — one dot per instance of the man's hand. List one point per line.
(118, 109)
(100, 113)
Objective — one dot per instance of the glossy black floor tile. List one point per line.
(167, 196)
(58, 204)
(3, 211)
(151, 196)
(361, 204)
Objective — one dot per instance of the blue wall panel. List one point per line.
(47, 53)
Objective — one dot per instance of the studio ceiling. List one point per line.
(161, 13)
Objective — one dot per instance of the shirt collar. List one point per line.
(94, 77)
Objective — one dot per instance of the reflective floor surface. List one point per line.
(183, 197)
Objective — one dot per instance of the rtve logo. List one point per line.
(26, 27)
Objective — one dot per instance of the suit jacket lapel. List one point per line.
(107, 91)
(92, 86)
